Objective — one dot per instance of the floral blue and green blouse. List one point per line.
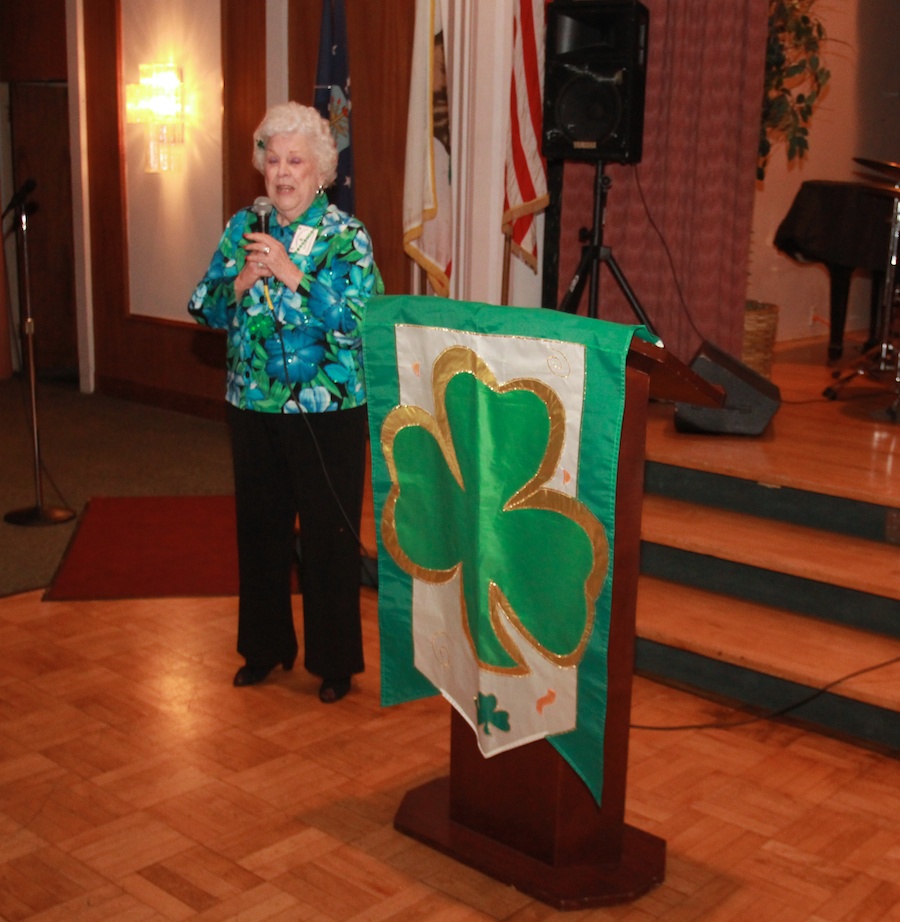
(295, 351)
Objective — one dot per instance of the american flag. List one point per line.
(526, 180)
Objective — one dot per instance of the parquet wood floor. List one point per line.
(137, 784)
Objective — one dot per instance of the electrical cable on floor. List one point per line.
(801, 403)
(779, 712)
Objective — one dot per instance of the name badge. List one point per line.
(304, 238)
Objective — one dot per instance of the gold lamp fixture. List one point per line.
(157, 102)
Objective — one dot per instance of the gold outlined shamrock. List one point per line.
(469, 498)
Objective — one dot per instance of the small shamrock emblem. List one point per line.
(488, 714)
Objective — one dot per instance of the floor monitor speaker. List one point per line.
(750, 399)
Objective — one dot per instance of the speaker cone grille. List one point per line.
(589, 109)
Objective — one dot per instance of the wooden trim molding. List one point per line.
(244, 100)
(106, 173)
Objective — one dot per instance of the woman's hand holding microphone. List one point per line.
(265, 258)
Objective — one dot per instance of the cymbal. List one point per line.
(882, 186)
(884, 166)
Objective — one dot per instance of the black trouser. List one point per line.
(311, 465)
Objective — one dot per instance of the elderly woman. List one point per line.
(291, 290)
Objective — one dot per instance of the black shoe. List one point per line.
(253, 675)
(332, 690)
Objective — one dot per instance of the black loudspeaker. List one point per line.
(750, 399)
(595, 74)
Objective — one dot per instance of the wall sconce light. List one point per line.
(157, 102)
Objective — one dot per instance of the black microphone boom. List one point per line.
(20, 195)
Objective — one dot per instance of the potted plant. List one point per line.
(795, 77)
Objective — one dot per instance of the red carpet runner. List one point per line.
(144, 547)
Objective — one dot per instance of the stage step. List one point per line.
(810, 553)
(848, 580)
(778, 501)
(751, 602)
(771, 659)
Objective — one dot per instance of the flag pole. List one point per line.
(507, 253)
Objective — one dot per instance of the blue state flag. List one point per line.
(332, 97)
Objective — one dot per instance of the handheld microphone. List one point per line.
(262, 207)
(24, 191)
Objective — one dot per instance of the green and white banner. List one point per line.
(495, 443)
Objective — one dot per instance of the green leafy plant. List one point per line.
(795, 78)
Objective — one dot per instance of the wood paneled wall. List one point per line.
(379, 39)
(33, 63)
(244, 92)
(179, 365)
(32, 40)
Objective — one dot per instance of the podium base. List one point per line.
(39, 515)
(424, 814)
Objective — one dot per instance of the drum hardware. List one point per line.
(881, 362)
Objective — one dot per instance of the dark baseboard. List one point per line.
(191, 404)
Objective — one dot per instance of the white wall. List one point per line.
(860, 52)
(174, 219)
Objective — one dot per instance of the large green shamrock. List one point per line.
(468, 497)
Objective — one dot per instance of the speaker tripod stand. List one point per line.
(593, 254)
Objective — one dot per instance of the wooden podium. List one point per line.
(524, 817)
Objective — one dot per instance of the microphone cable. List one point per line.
(366, 554)
(669, 258)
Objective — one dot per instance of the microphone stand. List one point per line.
(38, 514)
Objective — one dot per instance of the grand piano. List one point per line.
(847, 227)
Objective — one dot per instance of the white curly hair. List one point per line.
(292, 118)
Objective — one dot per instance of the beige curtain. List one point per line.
(695, 181)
